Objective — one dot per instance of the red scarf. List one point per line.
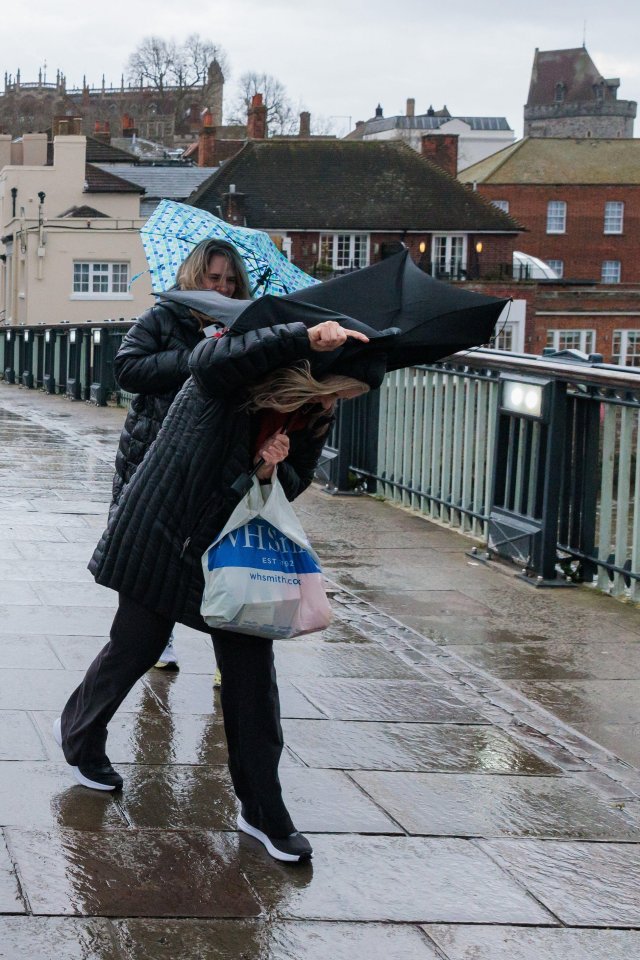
(273, 421)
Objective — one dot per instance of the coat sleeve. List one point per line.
(296, 472)
(226, 365)
(143, 364)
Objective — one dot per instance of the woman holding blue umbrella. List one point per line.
(153, 361)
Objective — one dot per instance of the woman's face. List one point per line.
(220, 276)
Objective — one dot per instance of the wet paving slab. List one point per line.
(488, 806)
(44, 795)
(402, 879)
(555, 660)
(333, 658)
(413, 747)
(537, 943)
(583, 884)
(19, 738)
(44, 938)
(441, 827)
(270, 940)
(402, 700)
(131, 873)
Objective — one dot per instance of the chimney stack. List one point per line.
(442, 149)
(257, 118)
(305, 124)
(233, 206)
(411, 107)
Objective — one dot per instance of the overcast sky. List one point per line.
(338, 58)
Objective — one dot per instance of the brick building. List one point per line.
(578, 199)
(569, 97)
(591, 318)
(339, 205)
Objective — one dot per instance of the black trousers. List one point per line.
(249, 696)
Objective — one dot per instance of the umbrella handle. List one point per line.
(242, 484)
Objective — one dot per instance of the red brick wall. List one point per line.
(603, 308)
(584, 246)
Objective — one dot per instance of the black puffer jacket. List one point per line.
(152, 363)
(179, 497)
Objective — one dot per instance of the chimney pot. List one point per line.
(411, 107)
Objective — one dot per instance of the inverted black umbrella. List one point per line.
(410, 317)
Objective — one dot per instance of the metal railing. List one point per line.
(75, 361)
(556, 491)
(558, 494)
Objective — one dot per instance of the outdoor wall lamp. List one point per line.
(8, 334)
(47, 336)
(479, 246)
(422, 246)
(526, 398)
(26, 336)
(97, 334)
(72, 336)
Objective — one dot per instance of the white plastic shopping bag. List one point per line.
(261, 575)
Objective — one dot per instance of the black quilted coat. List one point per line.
(152, 363)
(179, 497)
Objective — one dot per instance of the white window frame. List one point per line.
(348, 251)
(501, 205)
(609, 267)
(98, 274)
(622, 340)
(613, 217)
(557, 265)
(586, 339)
(454, 261)
(556, 215)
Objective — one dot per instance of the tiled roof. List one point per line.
(347, 185)
(100, 152)
(574, 68)
(164, 183)
(82, 213)
(560, 161)
(100, 181)
(97, 151)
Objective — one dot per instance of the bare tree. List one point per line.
(163, 63)
(281, 116)
(153, 60)
(191, 65)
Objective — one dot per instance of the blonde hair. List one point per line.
(192, 270)
(290, 388)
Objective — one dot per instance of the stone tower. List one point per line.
(568, 97)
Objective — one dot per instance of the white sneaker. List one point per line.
(102, 777)
(168, 659)
(292, 849)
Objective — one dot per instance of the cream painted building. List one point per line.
(70, 242)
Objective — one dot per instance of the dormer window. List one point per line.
(560, 91)
(599, 88)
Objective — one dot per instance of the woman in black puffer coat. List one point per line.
(174, 506)
(153, 361)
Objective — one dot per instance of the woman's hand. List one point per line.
(274, 450)
(329, 335)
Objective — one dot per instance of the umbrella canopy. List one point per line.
(410, 317)
(174, 229)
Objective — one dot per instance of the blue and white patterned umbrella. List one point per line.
(174, 229)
